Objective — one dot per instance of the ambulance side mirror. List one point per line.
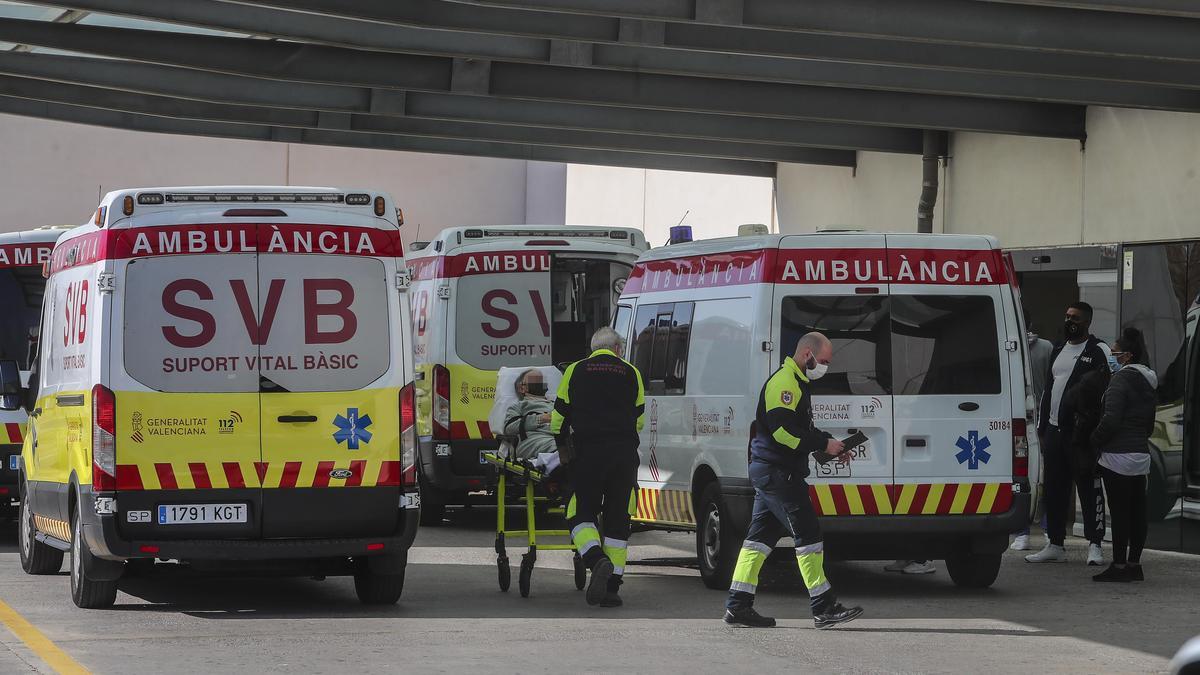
(10, 385)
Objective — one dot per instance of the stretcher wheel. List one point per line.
(504, 573)
(580, 573)
(526, 573)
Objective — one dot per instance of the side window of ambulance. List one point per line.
(660, 346)
(857, 325)
(621, 319)
(945, 344)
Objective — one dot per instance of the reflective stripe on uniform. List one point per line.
(586, 537)
(784, 438)
(617, 551)
(633, 501)
(749, 563)
(818, 547)
(757, 546)
(812, 568)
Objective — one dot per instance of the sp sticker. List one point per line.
(341, 474)
(787, 397)
(352, 428)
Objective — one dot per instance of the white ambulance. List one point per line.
(489, 297)
(928, 363)
(224, 378)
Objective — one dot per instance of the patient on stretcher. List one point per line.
(528, 422)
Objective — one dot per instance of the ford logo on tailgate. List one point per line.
(341, 473)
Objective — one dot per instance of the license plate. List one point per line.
(197, 514)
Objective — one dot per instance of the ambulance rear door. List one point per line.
(837, 284)
(951, 376)
(332, 359)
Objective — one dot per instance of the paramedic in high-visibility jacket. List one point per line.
(601, 404)
(785, 436)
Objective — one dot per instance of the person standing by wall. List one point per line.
(784, 438)
(1080, 353)
(602, 405)
(1122, 437)
(1039, 350)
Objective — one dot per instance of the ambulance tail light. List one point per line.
(408, 436)
(104, 439)
(1020, 452)
(441, 403)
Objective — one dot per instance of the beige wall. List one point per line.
(1136, 179)
(653, 200)
(880, 194)
(54, 172)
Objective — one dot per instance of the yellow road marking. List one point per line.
(37, 641)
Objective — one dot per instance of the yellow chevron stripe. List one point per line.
(904, 504)
(934, 497)
(825, 497)
(960, 497)
(989, 498)
(853, 500)
(882, 499)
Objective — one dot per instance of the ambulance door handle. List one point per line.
(297, 418)
(968, 406)
(914, 442)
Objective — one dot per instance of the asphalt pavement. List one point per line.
(454, 619)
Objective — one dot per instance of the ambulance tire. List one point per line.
(974, 570)
(716, 543)
(88, 593)
(374, 588)
(36, 557)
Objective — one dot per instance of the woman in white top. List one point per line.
(1122, 438)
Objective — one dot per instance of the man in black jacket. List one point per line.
(1070, 361)
(601, 406)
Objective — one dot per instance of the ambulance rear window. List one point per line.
(858, 327)
(945, 345)
(247, 322)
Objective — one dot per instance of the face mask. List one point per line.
(814, 370)
(536, 388)
(1113, 364)
(1072, 330)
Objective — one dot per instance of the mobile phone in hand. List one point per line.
(854, 440)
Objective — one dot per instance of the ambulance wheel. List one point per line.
(504, 574)
(374, 588)
(716, 547)
(974, 570)
(580, 573)
(87, 592)
(525, 577)
(36, 557)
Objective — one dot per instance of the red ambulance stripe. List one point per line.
(291, 471)
(261, 469)
(948, 494)
(321, 479)
(233, 474)
(166, 476)
(816, 501)
(919, 499)
(1004, 499)
(972, 505)
(14, 432)
(458, 431)
(129, 477)
(840, 506)
(358, 467)
(485, 429)
(200, 475)
(389, 474)
(867, 495)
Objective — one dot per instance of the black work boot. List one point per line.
(1114, 573)
(748, 617)
(598, 585)
(611, 597)
(835, 614)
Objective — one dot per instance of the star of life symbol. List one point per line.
(786, 397)
(352, 428)
(973, 450)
